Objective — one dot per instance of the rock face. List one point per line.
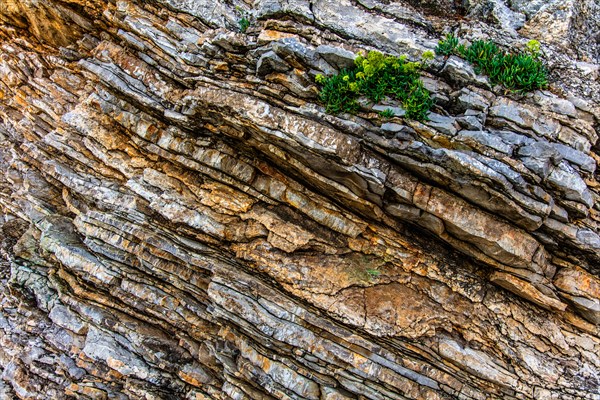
(181, 220)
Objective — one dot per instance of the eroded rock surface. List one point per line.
(181, 219)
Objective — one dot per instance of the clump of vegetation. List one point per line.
(244, 24)
(376, 76)
(520, 72)
(244, 21)
(387, 113)
(447, 46)
(373, 273)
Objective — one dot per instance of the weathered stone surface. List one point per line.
(181, 220)
(460, 71)
(271, 62)
(570, 183)
(446, 125)
(498, 11)
(526, 290)
(336, 56)
(541, 157)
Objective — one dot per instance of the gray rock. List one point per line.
(497, 11)
(292, 48)
(514, 138)
(228, 40)
(270, 8)
(391, 127)
(470, 122)
(584, 161)
(550, 102)
(72, 368)
(103, 347)
(64, 317)
(384, 32)
(270, 62)
(404, 211)
(590, 309)
(398, 111)
(574, 139)
(567, 181)
(559, 213)
(529, 7)
(546, 127)
(487, 139)
(336, 56)
(589, 238)
(446, 125)
(461, 72)
(539, 157)
(469, 99)
(514, 112)
(214, 14)
(477, 362)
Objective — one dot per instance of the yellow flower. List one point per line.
(346, 78)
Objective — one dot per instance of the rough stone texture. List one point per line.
(181, 219)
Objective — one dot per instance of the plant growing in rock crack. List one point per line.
(244, 21)
(447, 46)
(519, 72)
(373, 273)
(375, 76)
(387, 113)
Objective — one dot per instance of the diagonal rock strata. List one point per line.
(181, 219)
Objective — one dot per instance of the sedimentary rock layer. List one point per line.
(181, 219)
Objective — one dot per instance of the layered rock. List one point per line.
(181, 219)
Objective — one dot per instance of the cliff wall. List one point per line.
(182, 220)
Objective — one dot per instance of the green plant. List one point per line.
(446, 47)
(244, 21)
(375, 76)
(520, 72)
(244, 24)
(387, 113)
(373, 273)
(533, 46)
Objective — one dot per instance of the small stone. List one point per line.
(292, 49)
(514, 138)
(64, 317)
(487, 139)
(270, 62)
(469, 99)
(514, 112)
(566, 180)
(336, 56)
(446, 125)
(398, 111)
(539, 157)
(470, 122)
(553, 103)
(573, 139)
(392, 127)
(476, 362)
(584, 161)
(461, 72)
